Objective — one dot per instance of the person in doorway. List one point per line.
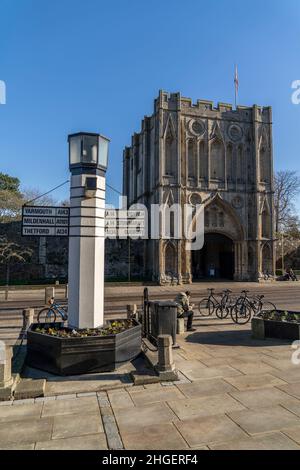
(184, 308)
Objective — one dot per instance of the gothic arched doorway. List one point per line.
(215, 259)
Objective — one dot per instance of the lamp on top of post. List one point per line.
(88, 150)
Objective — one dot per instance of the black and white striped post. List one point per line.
(88, 156)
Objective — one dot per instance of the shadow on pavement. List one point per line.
(232, 338)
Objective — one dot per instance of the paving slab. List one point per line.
(254, 367)
(19, 412)
(253, 381)
(281, 364)
(151, 396)
(81, 386)
(76, 425)
(291, 389)
(132, 419)
(210, 429)
(26, 431)
(229, 360)
(204, 406)
(272, 441)
(162, 437)
(292, 405)
(17, 446)
(120, 399)
(274, 418)
(205, 388)
(293, 433)
(291, 375)
(260, 398)
(211, 372)
(94, 442)
(71, 406)
(28, 388)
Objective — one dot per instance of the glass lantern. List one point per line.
(88, 150)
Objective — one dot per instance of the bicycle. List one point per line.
(208, 305)
(49, 314)
(225, 306)
(246, 306)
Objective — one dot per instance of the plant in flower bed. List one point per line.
(283, 316)
(111, 328)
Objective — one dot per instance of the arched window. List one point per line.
(266, 259)
(229, 163)
(214, 217)
(206, 218)
(250, 259)
(202, 160)
(192, 170)
(264, 162)
(221, 219)
(240, 165)
(170, 259)
(265, 224)
(217, 160)
(170, 155)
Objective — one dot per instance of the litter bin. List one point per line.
(163, 319)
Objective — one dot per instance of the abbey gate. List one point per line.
(220, 157)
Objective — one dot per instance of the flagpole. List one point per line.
(236, 85)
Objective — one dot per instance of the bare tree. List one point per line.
(286, 189)
(33, 196)
(12, 252)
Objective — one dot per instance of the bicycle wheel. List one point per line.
(268, 306)
(222, 312)
(46, 315)
(206, 307)
(241, 314)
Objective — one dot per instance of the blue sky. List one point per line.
(97, 65)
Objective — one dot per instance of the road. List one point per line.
(285, 295)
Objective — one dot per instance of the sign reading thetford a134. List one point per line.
(43, 221)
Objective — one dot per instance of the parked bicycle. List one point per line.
(208, 305)
(245, 307)
(226, 304)
(50, 314)
(240, 308)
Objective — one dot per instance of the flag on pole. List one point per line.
(236, 83)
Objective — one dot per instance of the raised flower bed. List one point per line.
(281, 324)
(63, 351)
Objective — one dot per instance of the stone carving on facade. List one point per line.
(237, 202)
(196, 127)
(195, 199)
(235, 132)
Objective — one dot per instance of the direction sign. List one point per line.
(124, 223)
(43, 221)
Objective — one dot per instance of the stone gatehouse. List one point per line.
(221, 157)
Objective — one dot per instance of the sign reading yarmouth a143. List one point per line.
(43, 221)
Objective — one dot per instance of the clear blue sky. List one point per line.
(97, 65)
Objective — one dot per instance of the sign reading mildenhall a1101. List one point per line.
(43, 221)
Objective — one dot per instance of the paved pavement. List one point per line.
(234, 393)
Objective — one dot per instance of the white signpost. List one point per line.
(43, 221)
